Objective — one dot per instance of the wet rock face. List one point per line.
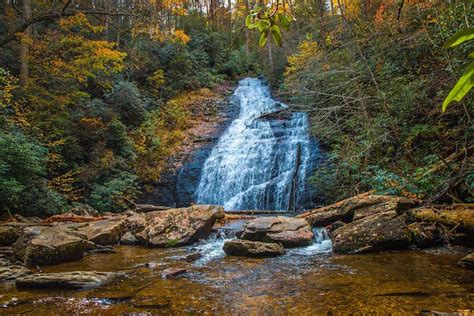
(377, 232)
(255, 249)
(46, 245)
(67, 280)
(289, 231)
(177, 186)
(175, 227)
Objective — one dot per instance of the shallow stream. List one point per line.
(305, 281)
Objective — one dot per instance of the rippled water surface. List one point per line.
(304, 281)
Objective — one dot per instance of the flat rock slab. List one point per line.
(256, 249)
(357, 208)
(289, 231)
(175, 227)
(384, 231)
(67, 280)
(9, 273)
(102, 232)
(46, 245)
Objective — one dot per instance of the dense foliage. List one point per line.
(96, 95)
(373, 76)
(102, 96)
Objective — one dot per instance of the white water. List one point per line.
(212, 248)
(255, 164)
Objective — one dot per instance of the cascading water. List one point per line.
(258, 163)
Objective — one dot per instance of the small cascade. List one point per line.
(259, 163)
(212, 248)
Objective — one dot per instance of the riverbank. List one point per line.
(178, 265)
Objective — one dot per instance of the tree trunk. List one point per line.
(270, 54)
(25, 46)
(247, 33)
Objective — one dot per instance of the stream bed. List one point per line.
(309, 280)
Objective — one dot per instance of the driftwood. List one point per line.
(282, 114)
(444, 163)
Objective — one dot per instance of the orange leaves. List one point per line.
(181, 36)
(79, 21)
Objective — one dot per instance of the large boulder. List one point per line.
(47, 245)
(102, 232)
(382, 231)
(8, 235)
(255, 249)
(356, 208)
(174, 227)
(289, 231)
(67, 280)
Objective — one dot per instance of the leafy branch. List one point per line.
(466, 82)
(269, 21)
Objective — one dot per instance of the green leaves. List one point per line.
(466, 82)
(460, 37)
(263, 39)
(461, 88)
(269, 21)
(276, 34)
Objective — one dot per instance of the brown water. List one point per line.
(395, 282)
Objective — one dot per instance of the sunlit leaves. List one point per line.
(461, 88)
(466, 82)
(460, 37)
(268, 21)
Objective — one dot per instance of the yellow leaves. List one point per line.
(157, 79)
(79, 21)
(181, 36)
(65, 184)
(164, 131)
(307, 51)
(8, 84)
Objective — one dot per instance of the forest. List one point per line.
(94, 93)
(237, 157)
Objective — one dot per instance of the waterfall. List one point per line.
(259, 162)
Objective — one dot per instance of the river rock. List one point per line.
(289, 231)
(46, 245)
(172, 273)
(67, 280)
(8, 235)
(174, 227)
(356, 208)
(467, 261)
(377, 232)
(256, 249)
(128, 239)
(102, 232)
(9, 273)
